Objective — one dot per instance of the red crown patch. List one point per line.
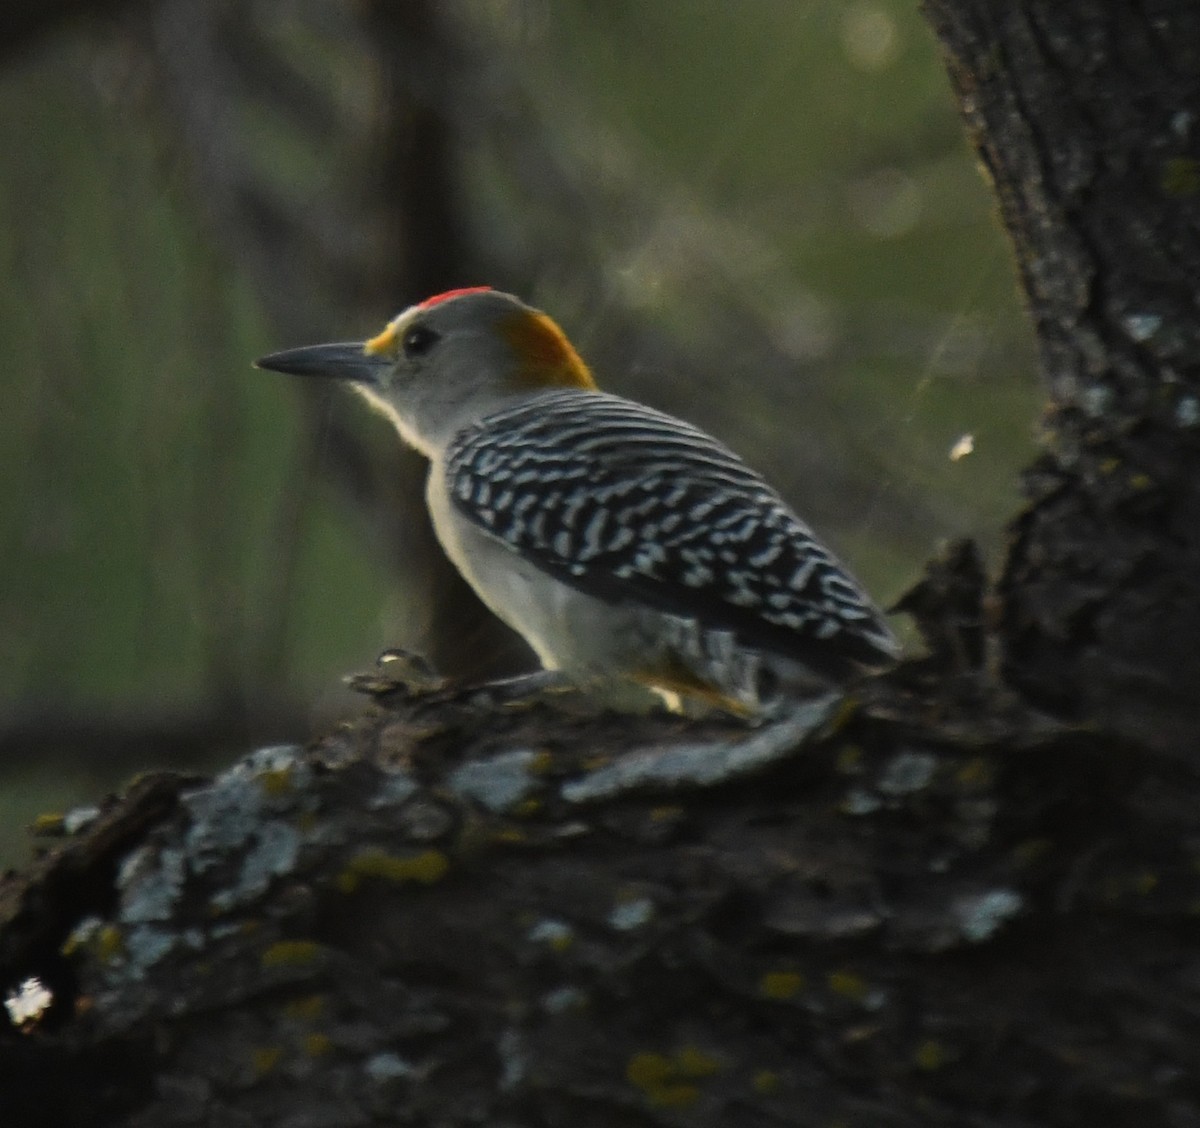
(437, 299)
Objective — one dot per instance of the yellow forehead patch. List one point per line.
(547, 359)
(384, 342)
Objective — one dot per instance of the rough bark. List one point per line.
(1086, 119)
(927, 904)
(922, 909)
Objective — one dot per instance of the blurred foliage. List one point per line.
(168, 542)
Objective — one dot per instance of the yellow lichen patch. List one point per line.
(648, 1069)
(291, 953)
(691, 1061)
(674, 1096)
(110, 944)
(765, 1083)
(510, 836)
(425, 868)
(265, 1058)
(1108, 465)
(52, 822)
(541, 763)
(846, 710)
(275, 782)
(849, 758)
(781, 984)
(667, 1081)
(976, 772)
(545, 358)
(1031, 850)
(1141, 481)
(383, 343)
(527, 807)
(307, 1009)
(317, 1044)
(848, 984)
(1181, 176)
(930, 1055)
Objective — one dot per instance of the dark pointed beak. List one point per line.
(345, 361)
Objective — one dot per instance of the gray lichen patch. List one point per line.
(499, 782)
(704, 764)
(151, 881)
(631, 914)
(981, 915)
(276, 846)
(240, 834)
(398, 787)
(228, 812)
(907, 772)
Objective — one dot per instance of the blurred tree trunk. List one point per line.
(388, 223)
(936, 907)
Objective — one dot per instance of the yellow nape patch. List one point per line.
(548, 359)
(384, 342)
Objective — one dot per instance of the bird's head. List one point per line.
(442, 364)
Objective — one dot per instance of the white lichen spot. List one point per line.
(860, 802)
(79, 817)
(28, 1002)
(83, 934)
(384, 1067)
(1095, 400)
(499, 783)
(979, 916)
(629, 915)
(397, 789)
(564, 999)
(875, 999)
(556, 933)
(514, 1059)
(1187, 411)
(1142, 326)
(908, 772)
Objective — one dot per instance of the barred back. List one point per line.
(635, 506)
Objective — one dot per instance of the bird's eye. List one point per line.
(419, 340)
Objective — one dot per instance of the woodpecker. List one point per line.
(627, 546)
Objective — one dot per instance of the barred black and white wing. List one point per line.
(634, 506)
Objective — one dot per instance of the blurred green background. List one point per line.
(762, 216)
